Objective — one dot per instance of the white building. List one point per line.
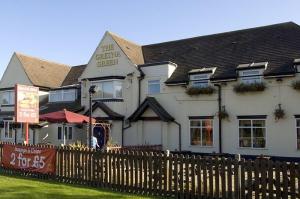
(172, 93)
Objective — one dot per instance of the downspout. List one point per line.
(219, 116)
(142, 76)
(179, 134)
(122, 141)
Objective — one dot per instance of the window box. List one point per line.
(296, 85)
(193, 90)
(253, 87)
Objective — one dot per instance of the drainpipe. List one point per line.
(220, 119)
(179, 134)
(142, 76)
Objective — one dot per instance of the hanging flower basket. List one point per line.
(296, 85)
(192, 90)
(255, 87)
(279, 113)
(223, 114)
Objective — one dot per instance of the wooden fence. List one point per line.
(180, 176)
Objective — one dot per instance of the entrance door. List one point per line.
(99, 133)
(152, 132)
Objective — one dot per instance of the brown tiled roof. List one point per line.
(132, 50)
(73, 75)
(277, 44)
(43, 73)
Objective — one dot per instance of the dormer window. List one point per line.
(252, 73)
(62, 95)
(251, 76)
(200, 77)
(199, 80)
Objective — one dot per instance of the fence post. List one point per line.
(238, 158)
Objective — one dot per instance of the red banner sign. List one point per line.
(35, 159)
(27, 103)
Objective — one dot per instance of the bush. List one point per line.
(200, 90)
(296, 85)
(242, 87)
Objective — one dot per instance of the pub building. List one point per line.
(235, 92)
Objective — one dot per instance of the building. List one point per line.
(233, 92)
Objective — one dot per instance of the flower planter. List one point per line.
(255, 87)
(200, 90)
(296, 85)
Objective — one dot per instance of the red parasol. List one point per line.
(65, 116)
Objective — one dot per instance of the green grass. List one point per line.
(19, 187)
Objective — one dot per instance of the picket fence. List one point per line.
(173, 175)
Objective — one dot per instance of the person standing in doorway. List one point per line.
(94, 142)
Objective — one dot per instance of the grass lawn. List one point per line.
(18, 187)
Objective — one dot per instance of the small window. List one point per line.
(251, 76)
(59, 133)
(201, 132)
(8, 98)
(153, 87)
(298, 133)
(70, 133)
(8, 131)
(252, 133)
(200, 80)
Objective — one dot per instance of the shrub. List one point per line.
(296, 85)
(192, 90)
(242, 87)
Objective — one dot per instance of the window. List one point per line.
(251, 76)
(201, 131)
(108, 89)
(252, 133)
(200, 80)
(8, 131)
(59, 137)
(8, 98)
(62, 95)
(298, 132)
(153, 86)
(68, 133)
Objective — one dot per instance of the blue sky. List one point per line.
(68, 31)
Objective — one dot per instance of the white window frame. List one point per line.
(297, 138)
(11, 96)
(6, 129)
(65, 132)
(152, 82)
(115, 83)
(251, 138)
(61, 94)
(251, 76)
(201, 134)
(200, 80)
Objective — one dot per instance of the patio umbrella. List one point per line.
(65, 116)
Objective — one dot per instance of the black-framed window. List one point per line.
(59, 133)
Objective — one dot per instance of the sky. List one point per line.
(68, 31)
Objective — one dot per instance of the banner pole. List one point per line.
(27, 132)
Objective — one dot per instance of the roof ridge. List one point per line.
(120, 37)
(41, 59)
(222, 33)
